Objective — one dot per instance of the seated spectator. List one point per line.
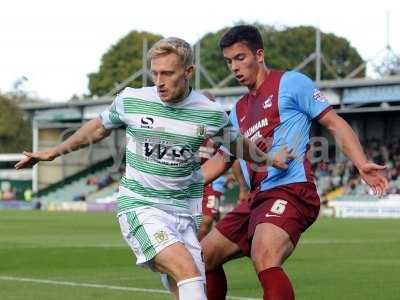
(79, 197)
(105, 181)
(8, 195)
(28, 195)
(92, 180)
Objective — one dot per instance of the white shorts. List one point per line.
(149, 230)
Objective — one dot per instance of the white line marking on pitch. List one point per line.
(305, 241)
(100, 286)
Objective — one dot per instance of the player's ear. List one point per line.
(189, 72)
(260, 55)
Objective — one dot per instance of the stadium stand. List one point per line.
(80, 186)
(339, 179)
(371, 107)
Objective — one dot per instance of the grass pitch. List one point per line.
(79, 256)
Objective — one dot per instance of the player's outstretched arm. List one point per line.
(348, 142)
(91, 132)
(215, 167)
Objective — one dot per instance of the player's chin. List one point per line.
(247, 82)
(242, 81)
(165, 98)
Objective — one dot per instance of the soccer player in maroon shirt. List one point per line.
(277, 111)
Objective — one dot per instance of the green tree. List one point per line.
(15, 130)
(121, 61)
(285, 49)
(212, 60)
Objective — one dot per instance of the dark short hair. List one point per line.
(242, 33)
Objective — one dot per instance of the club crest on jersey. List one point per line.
(161, 236)
(268, 102)
(201, 130)
(319, 96)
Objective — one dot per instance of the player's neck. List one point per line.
(260, 78)
(183, 96)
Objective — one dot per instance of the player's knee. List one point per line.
(267, 256)
(209, 255)
(185, 271)
(270, 256)
(177, 262)
(188, 269)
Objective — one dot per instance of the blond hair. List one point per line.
(172, 45)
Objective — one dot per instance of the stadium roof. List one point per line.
(236, 92)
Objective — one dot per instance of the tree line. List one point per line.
(284, 49)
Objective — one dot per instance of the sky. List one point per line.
(55, 44)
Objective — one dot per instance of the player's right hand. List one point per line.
(282, 157)
(244, 195)
(32, 158)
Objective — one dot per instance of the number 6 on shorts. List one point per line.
(278, 207)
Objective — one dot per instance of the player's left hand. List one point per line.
(282, 158)
(371, 173)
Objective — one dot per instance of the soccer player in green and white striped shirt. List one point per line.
(159, 200)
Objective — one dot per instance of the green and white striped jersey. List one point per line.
(162, 142)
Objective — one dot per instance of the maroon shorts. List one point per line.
(211, 202)
(293, 207)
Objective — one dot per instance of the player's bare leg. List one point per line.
(170, 285)
(205, 226)
(217, 250)
(271, 246)
(178, 263)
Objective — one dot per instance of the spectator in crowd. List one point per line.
(336, 174)
(28, 195)
(8, 195)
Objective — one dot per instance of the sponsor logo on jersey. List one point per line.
(319, 96)
(146, 122)
(161, 236)
(268, 102)
(166, 153)
(253, 129)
